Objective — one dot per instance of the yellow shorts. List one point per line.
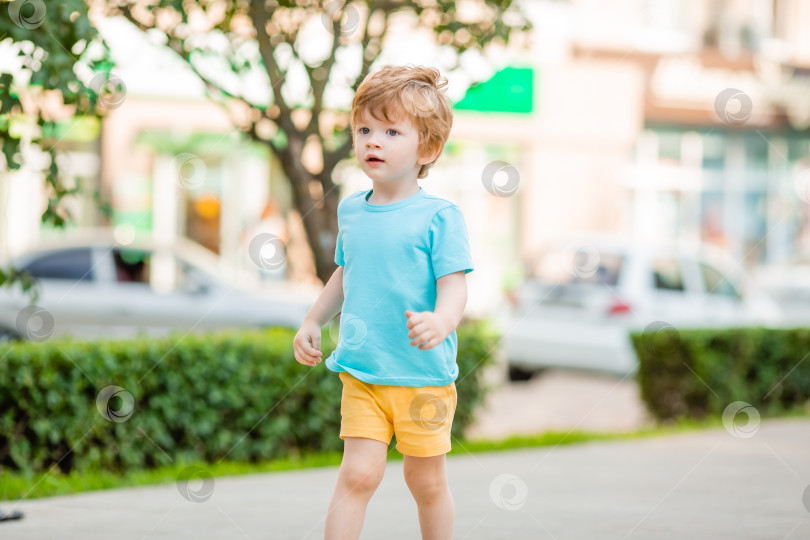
(420, 417)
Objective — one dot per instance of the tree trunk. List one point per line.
(319, 215)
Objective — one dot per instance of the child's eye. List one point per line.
(392, 132)
(364, 131)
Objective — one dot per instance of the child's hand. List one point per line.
(307, 344)
(427, 326)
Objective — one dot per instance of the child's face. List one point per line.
(388, 151)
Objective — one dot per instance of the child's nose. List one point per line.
(372, 142)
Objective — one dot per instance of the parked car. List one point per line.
(95, 287)
(788, 283)
(583, 297)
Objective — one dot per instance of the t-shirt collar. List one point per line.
(392, 206)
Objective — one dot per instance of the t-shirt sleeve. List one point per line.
(449, 244)
(339, 250)
(339, 260)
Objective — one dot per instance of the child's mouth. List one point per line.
(374, 159)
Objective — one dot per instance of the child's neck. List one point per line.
(389, 193)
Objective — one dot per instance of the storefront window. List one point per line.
(799, 192)
(756, 220)
(756, 151)
(714, 151)
(711, 218)
(669, 146)
(798, 148)
(748, 201)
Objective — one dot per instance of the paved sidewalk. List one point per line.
(707, 485)
(561, 400)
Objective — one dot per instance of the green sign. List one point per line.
(510, 90)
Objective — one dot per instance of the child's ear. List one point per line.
(429, 156)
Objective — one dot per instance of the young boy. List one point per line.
(402, 258)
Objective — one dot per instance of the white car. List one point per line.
(788, 284)
(585, 296)
(98, 288)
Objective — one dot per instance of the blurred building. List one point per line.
(169, 162)
(663, 120)
(671, 119)
(659, 119)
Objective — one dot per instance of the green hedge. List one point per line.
(697, 373)
(239, 396)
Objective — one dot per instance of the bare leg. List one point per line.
(361, 472)
(427, 479)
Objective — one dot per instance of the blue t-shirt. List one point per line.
(392, 255)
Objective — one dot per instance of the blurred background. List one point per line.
(618, 164)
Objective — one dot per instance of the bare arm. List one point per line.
(330, 302)
(429, 328)
(451, 297)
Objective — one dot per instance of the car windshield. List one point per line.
(583, 265)
(163, 271)
(67, 264)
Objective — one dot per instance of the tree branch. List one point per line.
(366, 63)
(260, 19)
(319, 86)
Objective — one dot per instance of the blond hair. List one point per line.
(418, 92)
